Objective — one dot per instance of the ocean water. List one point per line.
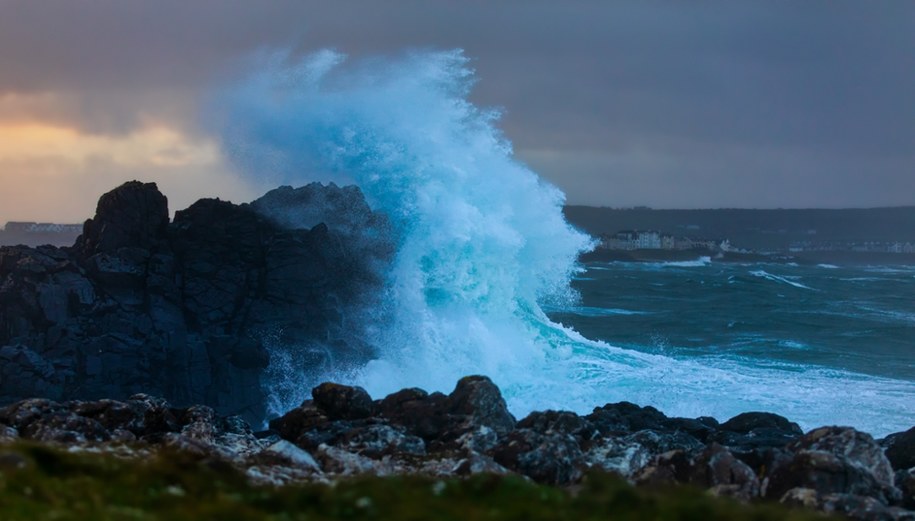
(848, 329)
(855, 319)
(486, 279)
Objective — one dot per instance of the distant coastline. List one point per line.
(852, 236)
(33, 234)
(852, 258)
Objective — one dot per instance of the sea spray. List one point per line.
(481, 245)
(481, 239)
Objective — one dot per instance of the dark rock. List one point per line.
(189, 310)
(285, 453)
(837, 460)
(134, 215)
(671, 467)
(342, 402)
(328, 434)
(821, 471)
(8, 434)
(392, 405)
(65, 427)
(756, 439)
(345, 213)
(481, 439)
(344, 463)
(21, 414)
(762, 460)
(552, 459)
(629, 455)
(617, 455)
(478, 464)
(158, 415)
(700, 428)
(425, 415)
(750, 421)
(905, 481)
(477, 398)
(900, 449)
(378, 439)
(658, 442)
(723, 474)
(549, 422)
(714, 468)
(625, 417)
(299, 420)
(848, 505)
(114, 415)
(469, 417)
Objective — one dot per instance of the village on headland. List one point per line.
(653, 245)
(854, 236)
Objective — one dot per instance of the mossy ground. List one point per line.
(41, 483)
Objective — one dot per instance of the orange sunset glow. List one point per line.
(54, 173)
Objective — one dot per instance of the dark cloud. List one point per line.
(639, 102)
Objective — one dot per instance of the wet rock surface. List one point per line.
(190, 309)
(343, 432)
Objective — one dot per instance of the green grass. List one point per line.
(37, 482)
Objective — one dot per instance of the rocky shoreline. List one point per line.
(342, 432)
(194, 308)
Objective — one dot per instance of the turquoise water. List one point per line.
(857, 319)
(485, 276)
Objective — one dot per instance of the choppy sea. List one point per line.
(848, 325)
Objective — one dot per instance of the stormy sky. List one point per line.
(619, 103)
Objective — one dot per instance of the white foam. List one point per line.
(590, 311)
(698, 263)
(482, 243)
(775, 278)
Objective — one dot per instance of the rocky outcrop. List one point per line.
(837, 460)
(190, 309)
(342, 431)
(900, 449)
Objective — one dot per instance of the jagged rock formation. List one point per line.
(188, 309)
(342, 432)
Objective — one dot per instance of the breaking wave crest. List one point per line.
(481, 245)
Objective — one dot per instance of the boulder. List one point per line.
(658, 442)
(625, 418)
(716, 469)
(751, 433)
(847, 505)
(549, 422)
(835, 460)
(900, 449)
(378, 439)
(286, 453)
(617, 455)
(713, 467)
(342, 402)
(425, 415)
(551, 459)
(299, 420)
(750, 421)
(481, 402)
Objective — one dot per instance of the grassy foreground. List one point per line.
(41, 483)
